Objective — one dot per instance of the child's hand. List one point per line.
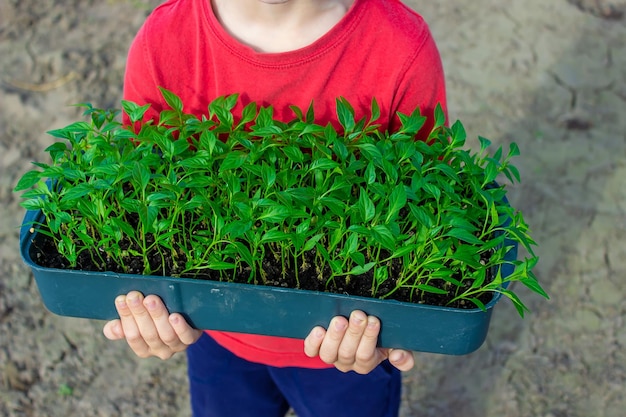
(148, 327)
(350, 345)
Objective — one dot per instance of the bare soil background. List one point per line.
(550, 75)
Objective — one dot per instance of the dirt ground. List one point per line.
(549, 75)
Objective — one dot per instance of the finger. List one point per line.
(352, 338)
(313, 341)
(113, 330)
(402, 359)
(133, 318)
(186, 334)
(329, 350)
(368, 356)
(165, 334)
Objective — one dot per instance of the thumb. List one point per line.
(401, 359)
(113, 330)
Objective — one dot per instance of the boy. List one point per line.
(281, 53)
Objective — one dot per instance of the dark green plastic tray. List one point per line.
(258, 309)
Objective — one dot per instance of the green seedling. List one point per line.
(223, 195)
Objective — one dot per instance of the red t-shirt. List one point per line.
(381, 49)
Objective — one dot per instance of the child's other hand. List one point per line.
(148, 327)
(350, 345)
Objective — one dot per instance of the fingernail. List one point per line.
(398, 356)
(340, 325)
(150, 305)
(357, 320)
(133, 300)
(121, 302)
(318, 333)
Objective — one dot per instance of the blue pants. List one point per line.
(223, 385)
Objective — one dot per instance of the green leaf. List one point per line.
(478, 303)
(497, 241)
(221, 265)
(512, 172)
(134, 111)
(141, 175)
(33, 204)
(310, 244)
(367, 210)
(381, 274)
(172, 100)
(517, 302)
(323, 164)
(345, 114)
(361, 230)
(268, 174)
(130, 204)
(448, 171)
(77, 192)
(420, 214)
(358, 270)
(74, 175)
(371, 152)
(340, 149)
(440, 116)
(497, 156)
(375, 110)
(244, 253)
(431, 289)
(276, 214)
(370, 173)
(479, 280)
(147, 216)
(294, 154)
(298, 112)
(491, 172)
(193, 162)
(248, 114)
(358, 258)
(411, 124)
(404, 250)
(352, 244)
(397, 201)
(27, 180)
(236, 228)
(521, 237)
(458, 134)
(460, 222)
(391, 171)
(383, 236)
(433, 190)
(233, 160)
(69, 131)
(336, 206)
(513, 150)
(57, 150)
(274, 236)
(463, 235)
(310, 113)
(87, 208)
(484, 143)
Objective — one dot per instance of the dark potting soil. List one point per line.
(44, 253)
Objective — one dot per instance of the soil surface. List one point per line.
(549, 75)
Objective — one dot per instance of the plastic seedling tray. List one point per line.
(258, 309)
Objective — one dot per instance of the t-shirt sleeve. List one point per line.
(423, 82)
(140, 83)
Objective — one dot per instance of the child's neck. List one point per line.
(279, 25)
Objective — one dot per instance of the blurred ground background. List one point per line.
(549, 75)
